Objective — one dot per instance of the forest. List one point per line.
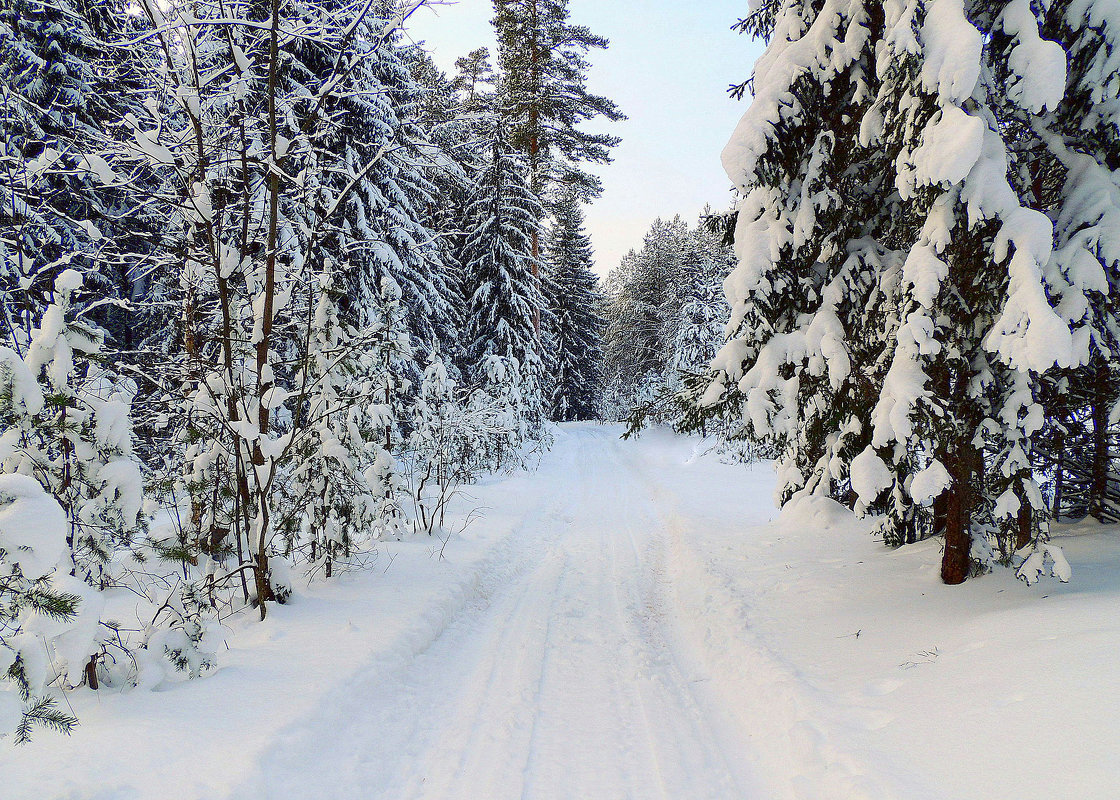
(273, 285)
(278, 291)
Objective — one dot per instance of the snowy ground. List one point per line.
(629, 622)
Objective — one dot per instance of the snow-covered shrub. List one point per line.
(79, 442)
(34, 608)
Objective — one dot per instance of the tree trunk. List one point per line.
(263, 487)
(940, 514)
(91, 673)
(956, 560)
(261, 582)
(1024, 531)
(1098, 487)
(1059, 481)
(534, 156)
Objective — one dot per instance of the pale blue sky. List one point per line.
(668, 68)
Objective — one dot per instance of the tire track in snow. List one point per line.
(593, 738)
(650, 612)
(562, 676)
(794, 729)
(367, 738)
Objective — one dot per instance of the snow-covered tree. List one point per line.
(81, 446)
(1072, 162)
(640, 292)
(658, 300)
(501, 398)
(890, 259)
(390, 363)
(575, 301)
(71, 431)
(699, 332)
(300, 148)
(440, 447)
(65, 92)
(333, 507)
(504, 289)
(387, 217)
(33, 546)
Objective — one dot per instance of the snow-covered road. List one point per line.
(630, 621)
(565, 678)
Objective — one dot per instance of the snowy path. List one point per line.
(630, 621)
(564, 680)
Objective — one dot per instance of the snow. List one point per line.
(632, 621)
(1039, 64)
(925, 272)
(18, 382)
(33, 527)
(70, 642)
(951, 146)
(869, 476)
(928, 484)
(951, 67)
(100, 168)
(796, 52)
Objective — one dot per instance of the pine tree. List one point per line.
(806, 271)
(543, 61)
(694, 313)
(1073, 148)
(333, 504)
(577, 331)
(65, 93)
(455, 163)
(544, 99)
(33, 534)
(902, 127)
(475, 80)
(504, 291)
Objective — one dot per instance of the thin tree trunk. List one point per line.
(534, 155)
(1098, 487)
(1024, 531)
(1059, 483)
(91, 673)
(263, 488)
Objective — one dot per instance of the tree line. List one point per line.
(273, 285)
(923, 315)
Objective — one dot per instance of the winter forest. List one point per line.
(337, 460)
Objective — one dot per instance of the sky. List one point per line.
(668, 68)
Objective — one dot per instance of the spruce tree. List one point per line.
(577, 330)
(977, 323)
(65, 93)
(1073, 149)
(504, 290)
(932, 297)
